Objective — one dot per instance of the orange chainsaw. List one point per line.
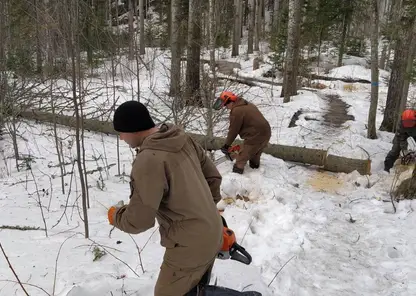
(230, 249)
(233, 151)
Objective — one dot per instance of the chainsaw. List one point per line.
(233, 151)
(230, 248)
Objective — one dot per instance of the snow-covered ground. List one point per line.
(336, 233)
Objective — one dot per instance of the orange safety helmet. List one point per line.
(409, 118)
(225, 98)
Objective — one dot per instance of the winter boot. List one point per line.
(237, 170)
(253, 165)
(221, 291)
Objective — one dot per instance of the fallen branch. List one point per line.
(118, 259)
(27, 284)
(22, 228)
(56, 263)
(280, 270)
(12, 269)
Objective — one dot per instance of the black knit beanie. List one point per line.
(131, 117)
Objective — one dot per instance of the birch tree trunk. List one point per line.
(292, 52)
(371, 132)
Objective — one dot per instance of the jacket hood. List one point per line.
(240, 102)
(169, 138)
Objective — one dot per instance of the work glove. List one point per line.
(224, 149)
(409, 158)
(112, 211)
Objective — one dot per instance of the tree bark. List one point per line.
(142, 45)
(292, 52)
(73, 17)
(175, 69)
(3, 50)
(131, 31)
(257, 27)
(251, 25)
(409, 68)
(237, 29)
(397, 76)
(371, 132)
(212, 34)
(193, 82)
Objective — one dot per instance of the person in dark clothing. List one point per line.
(407, 128)
(249, 123)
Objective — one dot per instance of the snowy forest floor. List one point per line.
(336, 233)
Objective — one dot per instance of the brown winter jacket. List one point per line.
(247, 121)
(174, 181)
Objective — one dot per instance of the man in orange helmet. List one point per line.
(407, 128)
(249, 123)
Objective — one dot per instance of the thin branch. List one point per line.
(11, 267)
(27, 284)
(280, 270)
(149, 238)
(138, 251)
(56, 263)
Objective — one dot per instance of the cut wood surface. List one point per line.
(303, 155)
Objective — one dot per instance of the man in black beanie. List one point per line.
(173, 181)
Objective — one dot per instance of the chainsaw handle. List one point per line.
(240, 254)
(235, 148)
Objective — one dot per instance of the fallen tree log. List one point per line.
(346, 80)
(310, 156)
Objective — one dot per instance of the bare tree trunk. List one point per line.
(251, 25)
(397, 76)
(257, 28)
(212, 35)
(386, 16)
(371, 132)
(175, 69)
(237, 29)
(37, 7)
(74, 38)
(3, 50)
(131, 31)
(292, 52)
(409, 68)
(276, 14)
(142, 32)
(383, 56)
(342, 42)
(193, 62)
